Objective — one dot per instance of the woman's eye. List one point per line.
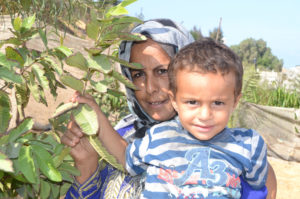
(136, 75)
(162, 71)
(218, 103)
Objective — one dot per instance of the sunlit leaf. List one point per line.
(64, 108)
(28, 22)
(100, 63)
(125, 63)
(40, 75)
(64, 50)
(5, 163)
(123, 79)
(77, 60)
(46, 164)
(72, 82)
(14, 55)
(127, 2)
(25, 126)
(13, 150)
(26, 164)
(87, 119)
(4, 111)
(116, 11)
(103, 153)
(17, 24)
(99, 86)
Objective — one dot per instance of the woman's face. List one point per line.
(152, 81)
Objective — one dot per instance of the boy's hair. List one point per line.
(206, 56)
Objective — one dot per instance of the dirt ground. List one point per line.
(288, 177)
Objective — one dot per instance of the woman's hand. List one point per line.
(84, 155)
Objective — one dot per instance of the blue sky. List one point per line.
(276, 22)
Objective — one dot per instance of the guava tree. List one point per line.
(35, 164)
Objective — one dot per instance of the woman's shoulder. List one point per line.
(125, 121)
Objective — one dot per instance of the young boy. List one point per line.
(196, 155)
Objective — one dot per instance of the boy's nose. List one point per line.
(204, 113)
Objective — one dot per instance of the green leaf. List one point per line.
(99, 86)
(26, 164)
(127, 2)
(13, 150)
(101, 63)
(92, 30)
(116, 11)
(69, 168)
(5, 163)
(104, 153)
(25, 126)
(46, 164)
(40, 75)
(54, 190)
(64, 108)
(64, 50)
(64, 188)
(6, 63)
(10, 76)
(34, 88)
(58, 159)
(17, 24)
(5, 115)
(12, 40)
(123, 79)
(87, 119)
(45, 189)
(137, 66)
(72, 82)
(43, 37)
(14, 55)
(28, 22)
(77, 60)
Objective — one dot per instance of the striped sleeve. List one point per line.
(135, 155)
(256, 175)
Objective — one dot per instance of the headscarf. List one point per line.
(171, 37)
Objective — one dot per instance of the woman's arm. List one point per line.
(271, 183)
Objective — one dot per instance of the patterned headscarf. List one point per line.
(171, 37)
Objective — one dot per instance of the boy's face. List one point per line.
(204, 102)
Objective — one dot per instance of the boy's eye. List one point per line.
(191, 102)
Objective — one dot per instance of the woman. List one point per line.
(148, 105)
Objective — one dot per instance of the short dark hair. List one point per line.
(206, 56)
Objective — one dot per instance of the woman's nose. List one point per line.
(151, 85)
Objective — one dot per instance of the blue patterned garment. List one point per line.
(180, 166)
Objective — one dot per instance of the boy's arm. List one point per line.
(271, 183)
(108, 136)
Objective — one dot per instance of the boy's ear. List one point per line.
(237, 99)
(173, 101)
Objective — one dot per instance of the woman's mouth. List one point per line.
(156, 104)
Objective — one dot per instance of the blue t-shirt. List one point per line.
(180, 166)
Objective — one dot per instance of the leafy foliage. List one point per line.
(36, 164)
(256, 52)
